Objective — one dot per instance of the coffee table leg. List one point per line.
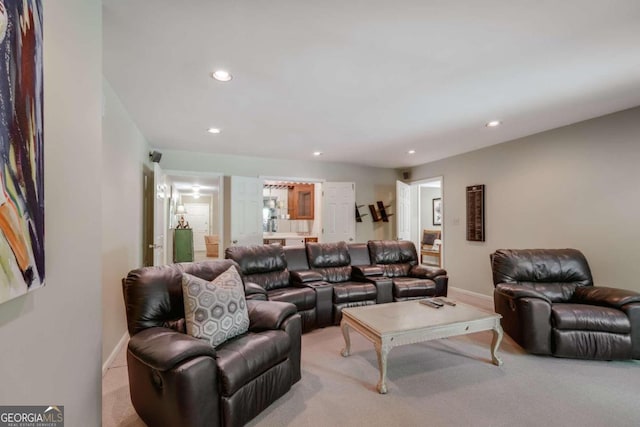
(495, 343)
(382, 351)
(346, 351)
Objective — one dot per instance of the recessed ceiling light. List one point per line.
(411, 152)
(493, 123)
(317, 153)
(213, 130)
(221, 75)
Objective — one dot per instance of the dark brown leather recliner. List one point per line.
(398, 260)
(266, 266)
(180, 381)
(333, 262)
(302, 275)
(549, 306)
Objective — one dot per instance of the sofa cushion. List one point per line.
(265, 265)
(323, 255)
(429, 237)
(216, 310)
(242, 359)
(302, 298)
(396, 270)
(332, 260)
(407, 287)
(589, 318)
(353, 291)
(392, 252)
(568, 266)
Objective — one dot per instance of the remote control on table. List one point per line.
(430, 303)
(446, 301)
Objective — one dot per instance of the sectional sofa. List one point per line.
(321, 279)
(178, 380)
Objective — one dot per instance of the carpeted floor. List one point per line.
(448, 382)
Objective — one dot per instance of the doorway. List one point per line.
(430, 221)
(148, 198)
(196, 204)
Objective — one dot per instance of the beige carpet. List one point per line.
(448, 382)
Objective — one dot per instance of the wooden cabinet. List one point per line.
(301, 201)
(183, 245)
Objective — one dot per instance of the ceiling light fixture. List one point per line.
(411, 152)
(221, 75)
(317, 153)
(493, 123)
(213, 130)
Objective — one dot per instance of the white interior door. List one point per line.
(198, 217)
(159, 216)
(246, 211)
(403, 210)
(338, 216)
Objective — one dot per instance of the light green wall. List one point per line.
(371, 183)
(576, 186)
(124, 152)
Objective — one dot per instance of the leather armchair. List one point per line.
(398, 260)
(178, 380)
(266, 266)
(333, 262)
(550, 306)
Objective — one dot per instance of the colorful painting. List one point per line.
(21, 156)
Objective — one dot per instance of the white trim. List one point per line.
(481, 300)
(107, 363)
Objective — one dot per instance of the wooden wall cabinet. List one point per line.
(301, 201)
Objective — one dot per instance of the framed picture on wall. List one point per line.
(437, 211)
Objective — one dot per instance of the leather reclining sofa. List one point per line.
(178, 380)
(321, 279)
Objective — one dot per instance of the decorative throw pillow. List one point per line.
(429, 237)
(215, 311)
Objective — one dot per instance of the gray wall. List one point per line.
(371, 183)
(575, 186)
(427, 194)
(124, 151)
(51, 337)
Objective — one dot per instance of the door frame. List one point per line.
(221, 194)
(148, 200)
(416, 184)
(317, 220)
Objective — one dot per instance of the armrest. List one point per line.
(366, 270)
(265, 315)
(254, 291)
(162, 348)
(424, 272)
(600, 295)
(304, 276)
(513, 291)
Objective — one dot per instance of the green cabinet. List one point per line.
(182, 245)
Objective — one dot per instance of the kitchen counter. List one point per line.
(288, 239)
(286, 235)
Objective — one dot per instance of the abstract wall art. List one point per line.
(21, 149)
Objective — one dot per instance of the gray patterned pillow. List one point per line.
(215, 311)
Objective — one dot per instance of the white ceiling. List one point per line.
(365, 81)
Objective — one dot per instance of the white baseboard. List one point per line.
(107, 363)
(470, 297)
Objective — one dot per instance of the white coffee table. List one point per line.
(399, 323)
